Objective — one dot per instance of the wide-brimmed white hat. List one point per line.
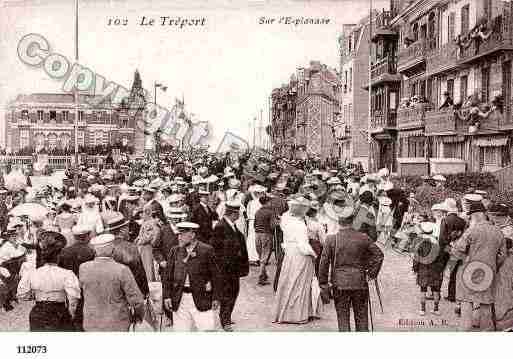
(449, 205)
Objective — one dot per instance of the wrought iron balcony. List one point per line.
(412, 117)
(442, 121)
(412, 55)
(499, 37)
(386, 65)
(442, 58)
(381, 121)
(447, 121)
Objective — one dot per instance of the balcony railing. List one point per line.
(386, 65)
(441, 58)
(383, 19)
(441, 121)
(382, 120)
(416, 51)
(412, 116)
(445, 120)
(501, 36)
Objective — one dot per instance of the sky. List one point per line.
(225, 70)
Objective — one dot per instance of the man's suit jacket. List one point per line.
(451, 228)
(73, 256)
(204, 218)
(353, 257)
(399, 205)
(230, 250)
(166, 241)
(127, 253)
(365, 222)
(201, 269)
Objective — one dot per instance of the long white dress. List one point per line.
(253, 206)
(294, 299)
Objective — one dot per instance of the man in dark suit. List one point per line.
(204, 216)
(451, 228)
(168, 237)
(354, 259)
(365, 217)
(232, 258)
(126, 252)
(71, 258)
(191, 284)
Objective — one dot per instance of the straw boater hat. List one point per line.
(187, 226)
(176, 213)
(102, 240)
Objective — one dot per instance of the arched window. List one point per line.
(52, 140)
(65, 140)
(39, 141)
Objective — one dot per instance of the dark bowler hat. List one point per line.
(51, 243)
(498, 209)
(114, 221)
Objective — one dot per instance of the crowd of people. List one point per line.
(165, 242)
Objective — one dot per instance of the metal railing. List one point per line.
(416, 50)
(383, 120)
(501, 35)
(412, 115)
(384, 66)
(505, 178)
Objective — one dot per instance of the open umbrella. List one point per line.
(32, 210)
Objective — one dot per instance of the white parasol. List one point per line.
(34, 211)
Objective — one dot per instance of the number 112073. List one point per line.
(31, 349)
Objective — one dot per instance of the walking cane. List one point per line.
(378, 292)
(370, 314)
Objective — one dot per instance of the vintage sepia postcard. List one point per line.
(255, 166)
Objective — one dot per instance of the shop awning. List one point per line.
(491, 141)
(452, 139)
(412, 133)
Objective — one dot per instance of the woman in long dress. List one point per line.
(294, 302)
(148, 235)
(65, 221)
(253, 206)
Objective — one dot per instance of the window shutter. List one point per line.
(450, 26)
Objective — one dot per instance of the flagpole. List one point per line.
(76, 100)
(369, 137)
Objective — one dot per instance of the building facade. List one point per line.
(454, 61)
(305, 114)
(354, 54)
(47, 121)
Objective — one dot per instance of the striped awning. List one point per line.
(411, 133)
(452, 139)
(491, 141)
